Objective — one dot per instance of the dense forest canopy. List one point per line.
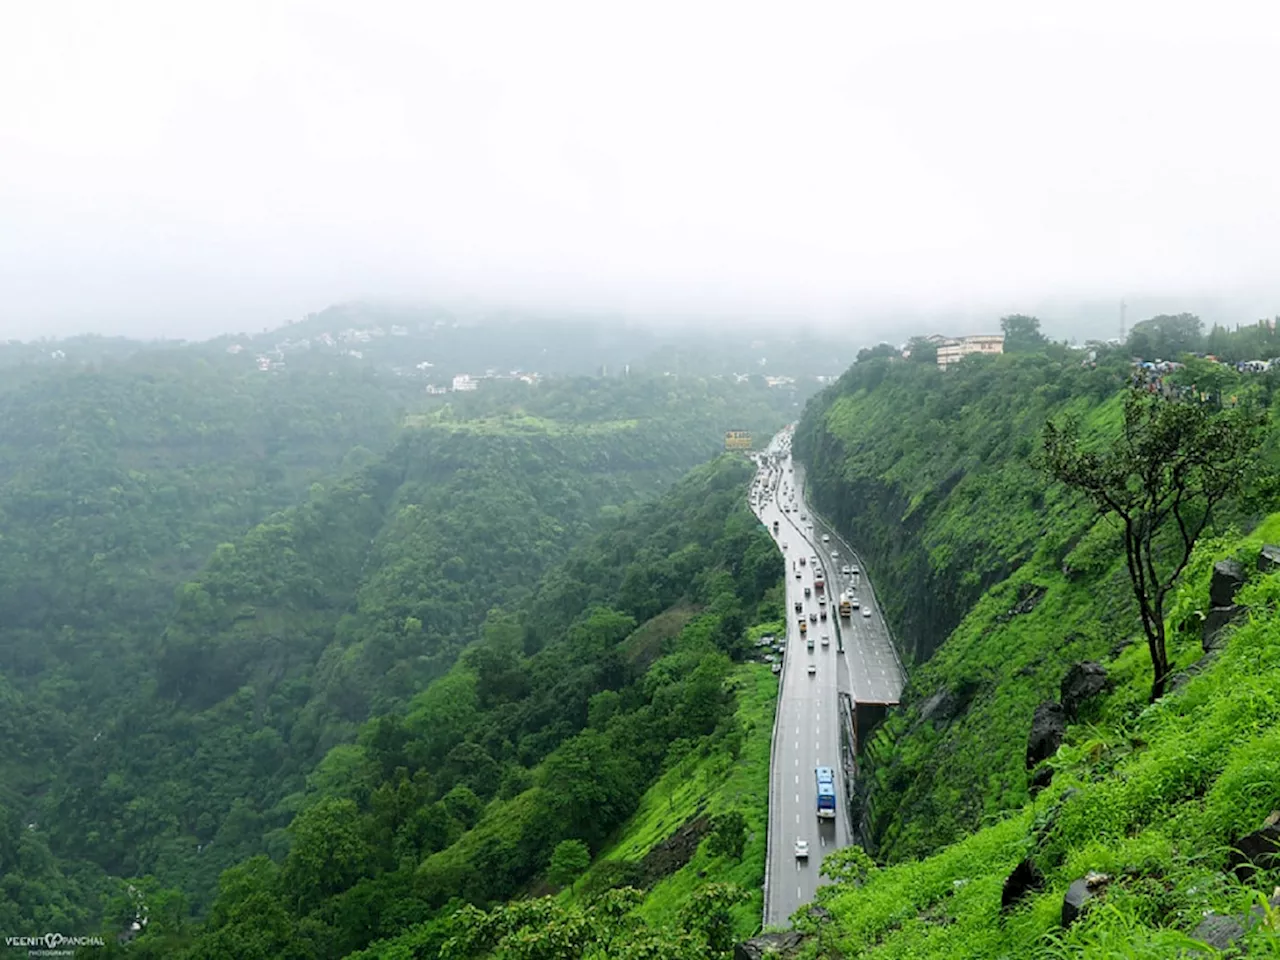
(211, 577)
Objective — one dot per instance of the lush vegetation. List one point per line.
(996, 580)
(212, 577)
(1154, 797)
(550, 728)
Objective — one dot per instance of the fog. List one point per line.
(185, 169)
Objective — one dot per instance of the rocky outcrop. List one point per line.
(1222, 932)
(675, 851)
(1079, 894)
(1029, 597)
(1228, 577)
(769, 945)
(1047, 729)
(939, 708)
(1259, 850)
(1212, 630)
(1269, 558)
(1026, 878)
(1084, 680)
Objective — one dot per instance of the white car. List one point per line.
(826, 538)
(866, 611)
(802, 849)
(826, 640)
(813, 668)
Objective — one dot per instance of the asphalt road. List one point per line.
(875, 674)
(807, 732)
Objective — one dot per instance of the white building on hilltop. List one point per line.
(464, 382)
(953, 351)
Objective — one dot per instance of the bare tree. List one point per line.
(1171, 465)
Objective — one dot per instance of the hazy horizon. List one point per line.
(180, 171)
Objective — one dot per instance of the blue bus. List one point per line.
(826, 794)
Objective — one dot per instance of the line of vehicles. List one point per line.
(778, 477)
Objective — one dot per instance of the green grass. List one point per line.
(1151, 795)
(716, 783)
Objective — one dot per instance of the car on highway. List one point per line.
(784, 544)
(846, 570)
(802, 561)
(813, 668)
(823, 613)
(826, 640)
(797, 574)
(866, 611)
(826, 538)
(822, 601)
(813, 617)
(807, 593)
(802, 849)
(854, 604)
(804, 516)
(799, 606)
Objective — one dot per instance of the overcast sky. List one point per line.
(188, 168)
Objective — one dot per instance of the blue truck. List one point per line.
(826, 793)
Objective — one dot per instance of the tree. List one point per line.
(708, 912)
(879, 350)
(729, 838)
(569, 859)
(1021, 333)
(329, 851)
(1172, 464)
(922, 350)
(1166, 337)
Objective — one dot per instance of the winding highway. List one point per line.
(807, 721)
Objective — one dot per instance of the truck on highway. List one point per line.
(818, 583)
(826, 793)
(846, 608)
(804, 627)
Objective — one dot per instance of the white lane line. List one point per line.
(797, 798)
(797, 776)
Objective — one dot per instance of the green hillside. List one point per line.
(1154, 797)
(190, 646)
(550, 729)
(996, 581)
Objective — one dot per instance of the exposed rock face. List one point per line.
(1259, 850)
(768, 945)
(1047, 728)
(1029, 597)
(1269, 558)
(1228, 577)
(1080, 893)
(1215, 621)
(1025, 879)
(1040, 779)
(675, 851)
(1083, 680)
(1221, 932)
(939, 708)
